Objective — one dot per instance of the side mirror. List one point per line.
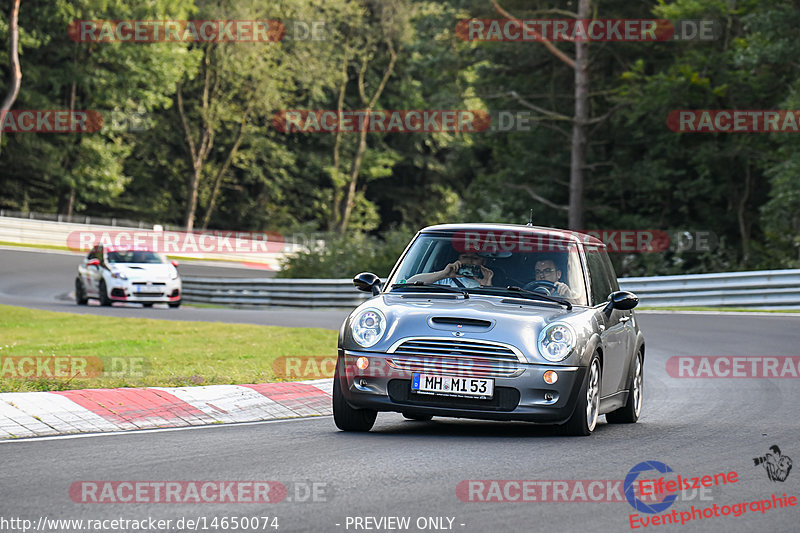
(367, 281)
(622, 300)
(174, 263)
(93, 263)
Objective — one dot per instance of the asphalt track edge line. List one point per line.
(157, 430)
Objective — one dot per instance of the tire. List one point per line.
(419, 418)
(174, 304)
(104, 299)
(80, 293)
(347, 418)
(629, 413)
(148, 305)
(584, 418)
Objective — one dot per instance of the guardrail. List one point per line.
(31, 231)
(770, 289)
(278, 292)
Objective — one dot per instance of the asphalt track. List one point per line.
(46, 280)
(696, 426)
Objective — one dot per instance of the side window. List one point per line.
(599, 278)
(612, 276)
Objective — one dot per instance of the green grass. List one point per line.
(722, 309)
(164, 352)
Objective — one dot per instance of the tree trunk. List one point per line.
(192, 187)
(70, 203)
(16, 71)
(333, 222)
(579, 124)
(741, 216)
(224, 169)
(197, 153)
(72, 96)
(355, 169)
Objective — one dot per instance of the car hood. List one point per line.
(507, 320)
(144, 271)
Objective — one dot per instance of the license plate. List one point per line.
(452, 385)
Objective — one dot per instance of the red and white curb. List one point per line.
(35, 414)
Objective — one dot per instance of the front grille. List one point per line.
(153, 283)
(504, 399)
(456, 356)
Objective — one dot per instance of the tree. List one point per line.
(16, 71)
(240, 81)
(580, 119)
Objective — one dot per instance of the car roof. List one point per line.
(567, 235)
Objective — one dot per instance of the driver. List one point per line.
(546, 270)
(468, 271)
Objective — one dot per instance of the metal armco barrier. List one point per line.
(278, 292)
(55, 233)
(769, 289)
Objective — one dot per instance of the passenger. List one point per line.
(468, 271)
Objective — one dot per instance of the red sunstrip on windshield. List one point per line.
(622, 241)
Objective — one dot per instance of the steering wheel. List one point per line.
(548, 288)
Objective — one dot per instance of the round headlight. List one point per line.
(556, 341)
(368, 327)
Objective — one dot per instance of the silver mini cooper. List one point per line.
(495, 322)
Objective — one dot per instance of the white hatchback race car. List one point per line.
(127, 275)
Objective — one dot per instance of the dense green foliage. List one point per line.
(745, 188)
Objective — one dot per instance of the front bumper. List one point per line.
(142, 292)
(524, 397)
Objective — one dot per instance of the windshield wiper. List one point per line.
(526, 294)
(427, 286)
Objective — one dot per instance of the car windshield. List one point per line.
(544, 264)
(133, 256)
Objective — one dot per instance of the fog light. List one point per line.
(362, 363)
(550, 377)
